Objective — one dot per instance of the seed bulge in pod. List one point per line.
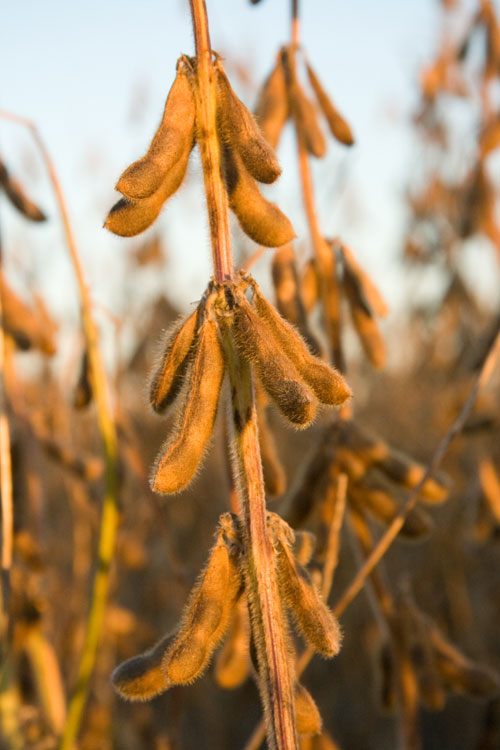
(172, 141)
(307, 717)
(272, 106)
(181, 455)
(142, 677)
(241, 130)
(278, 376)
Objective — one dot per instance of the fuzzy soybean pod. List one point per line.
(277, 374)
(207, 616)
(339, 127)
(180, 457)
(168, 378)
(260, 219)
(272, 106)
(142, 677)
(326, 382)
(172, 142)
(128, 217)
(233, 661)
(315, 621)
(241, 130)
(302, 109)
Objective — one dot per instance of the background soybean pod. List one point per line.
(307, 715)
(272, 105)
(172, 141)
(206, 617)
(233, 661)
(328, 384)
(260, 219)
(128, 217)
(15, 193)
(302, 109)
(241, 130)
(274, 473)
(315, 621)
(339, 127)
(370, 291)
(142, 677)
(168, 378)
(363, 320)
(276, 372)
(180, 457)
(309, 285)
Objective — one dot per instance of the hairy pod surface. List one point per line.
(326, 382)
(142, 677)
(260, 219)
(304, 546)
(315, 621)
(128, 217)
(272, 105)
(172, 142)
(307, 716)
(167, 380)
(242, 132)
(179, 459)
(339, 127)
(207, 616)
(15, 194)
(278, 376)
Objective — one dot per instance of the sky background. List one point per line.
(94, 77)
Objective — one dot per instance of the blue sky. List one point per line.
(76, 69)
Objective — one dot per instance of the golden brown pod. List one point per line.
(326, 382)
(142, 677)
(315, 621)
(373, 494)
(272, 105)
(303, 546)
(181, 455)
(363, 320)
(128, 218)
(206, 617)
(369, 290)
(302, 109)
(15, 193)
(261, 220)
(274, 473)
(30, 328)
(307, 717)
(168, 377)
(240, 129)
(233, 660)
(288, 298)
(339, 127)
(309, 285)
(278, 376)
(171, 144)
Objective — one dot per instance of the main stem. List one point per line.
(268, 622)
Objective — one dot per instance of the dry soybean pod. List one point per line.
(272, 105)
(370, 291)
(309, 285)
(307, 714)
(288, 298)
(260, 219)
(302, 109)
(233, 661)
(363, 320)
(142, 677)
(328, 384)
(206, 617)
(15, 193)
(180, 457)
(173, 139)
(277, 374)
(128, 218)
(168, 377)
(339, 127)
(315, 621)
(274, 473)
(242, 131)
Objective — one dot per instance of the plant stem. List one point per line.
(268, 621)
(209, 145)
(109, 518)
